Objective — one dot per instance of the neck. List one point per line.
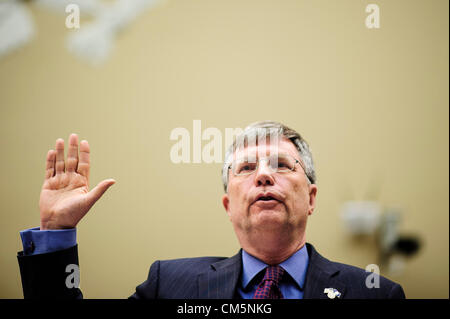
(272, 251)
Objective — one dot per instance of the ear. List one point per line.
(312, 198)
(226, 203)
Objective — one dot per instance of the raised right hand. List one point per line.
(65, 196)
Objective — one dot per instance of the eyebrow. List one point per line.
(257, 155)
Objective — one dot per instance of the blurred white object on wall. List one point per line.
(361, 217)
(93, 41)
(16, 26)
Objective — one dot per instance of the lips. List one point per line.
(267, 197)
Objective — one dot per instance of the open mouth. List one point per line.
(267, 201)
(266, 198)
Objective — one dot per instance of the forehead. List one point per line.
(266, 147)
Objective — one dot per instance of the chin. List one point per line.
(270, 212)
(270, 218)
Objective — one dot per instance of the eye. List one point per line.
(245, 167)
(281, 163)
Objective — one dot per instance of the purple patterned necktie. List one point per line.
(268, 287)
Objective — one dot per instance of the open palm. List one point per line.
(65, 197)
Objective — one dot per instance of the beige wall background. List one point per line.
(373, 104)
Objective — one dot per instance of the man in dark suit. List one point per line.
(270, 190)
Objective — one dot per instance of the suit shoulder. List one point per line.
(182, 267)
(194, 264)
(177, 278)
(360, 280)
(352, 272)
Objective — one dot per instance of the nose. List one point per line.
(263, 176)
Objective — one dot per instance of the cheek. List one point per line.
(239, 191)
(238, 199)
(300, 198)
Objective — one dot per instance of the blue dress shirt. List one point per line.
(36, 241)
(291, 284)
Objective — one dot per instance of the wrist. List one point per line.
(49, 225)
(45, 226)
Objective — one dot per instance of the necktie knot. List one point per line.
(273, 273)
(268, 287)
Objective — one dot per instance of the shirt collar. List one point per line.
(295, 266)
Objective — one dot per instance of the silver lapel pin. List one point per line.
(332, 293)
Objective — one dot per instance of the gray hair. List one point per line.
(265, 129)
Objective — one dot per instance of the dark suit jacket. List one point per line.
(44, 276)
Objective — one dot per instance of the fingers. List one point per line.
(83, 163)
(59, 164)
(98, 191)
(50, 166)
(79, 163)
(72, 153)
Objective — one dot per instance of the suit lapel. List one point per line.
(321, 274)
(220, 281)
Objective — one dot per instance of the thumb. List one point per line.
(94, 195)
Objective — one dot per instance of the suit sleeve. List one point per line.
(50, 275)
(149, 288)
(396, 292)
